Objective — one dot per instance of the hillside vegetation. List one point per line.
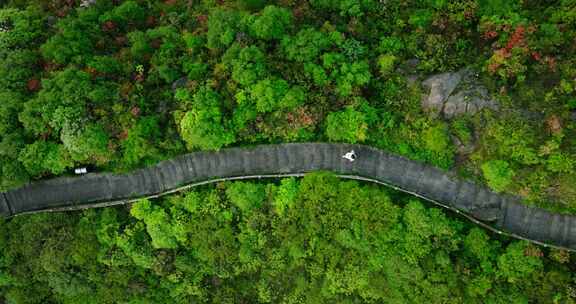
(312, 240)
(117, 85)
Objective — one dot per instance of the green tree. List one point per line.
(272, 94)
(157, 223)
(515, 265)
(141, 142)
(26, 28)
(222, 28)
(246, 196)
(75, 40)
(306, 45)
(43, 157)
(386, 64)
(272, 23)
(89, 143)
(248, 64)
(202, 127)
(62, 101)
(12, 173)
(127, 12)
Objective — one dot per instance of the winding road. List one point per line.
(498, 212)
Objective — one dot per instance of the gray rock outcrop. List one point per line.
(179, 83)
(456, 93)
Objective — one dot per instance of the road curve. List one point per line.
(498, 212)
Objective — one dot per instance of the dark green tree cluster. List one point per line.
(315, 240)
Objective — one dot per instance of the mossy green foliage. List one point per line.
(498, 174)
(318, 239)
(348, 126)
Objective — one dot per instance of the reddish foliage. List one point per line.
(551, 61)
(139, 77)
(121, 41)
(92, 71)
(108, 26)
(554, 124)
(156, 43)
(490, 35)
(123, 135)
(536, 56)
(125, 89)
(300, 118)
(499, 55)
(61, 8)
(170, 2)
(151, 21)
(533, 251)
(202, 19)
(46, 135)
(135, 111)
(33, 85)
(297, 12)
(517, 38)
(50, 66)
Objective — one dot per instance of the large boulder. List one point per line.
(87, 3)
(456, 93)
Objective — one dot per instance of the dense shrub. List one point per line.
(315, 239)
(498, 174)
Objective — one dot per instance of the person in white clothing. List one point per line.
(351, 156)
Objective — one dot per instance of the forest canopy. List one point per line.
(313, 240)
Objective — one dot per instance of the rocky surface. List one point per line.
(87, 3)
(456, 93)
(179, 83)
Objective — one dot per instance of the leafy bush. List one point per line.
(272, 23)
(386, 64)
(421, 18)
(272, 94)
(561, 162)
(498, 174)
(348, 126)
(391, 44)
(140, 143)
(306, 45)
(44, 157)
(127, 12)
(88, 143)
(24, 28)
(246, 196)
(202, 127)
(350, 8)
(437, 138)
(12, 173)
(75, 40)
(248, 64)
(222, 28)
